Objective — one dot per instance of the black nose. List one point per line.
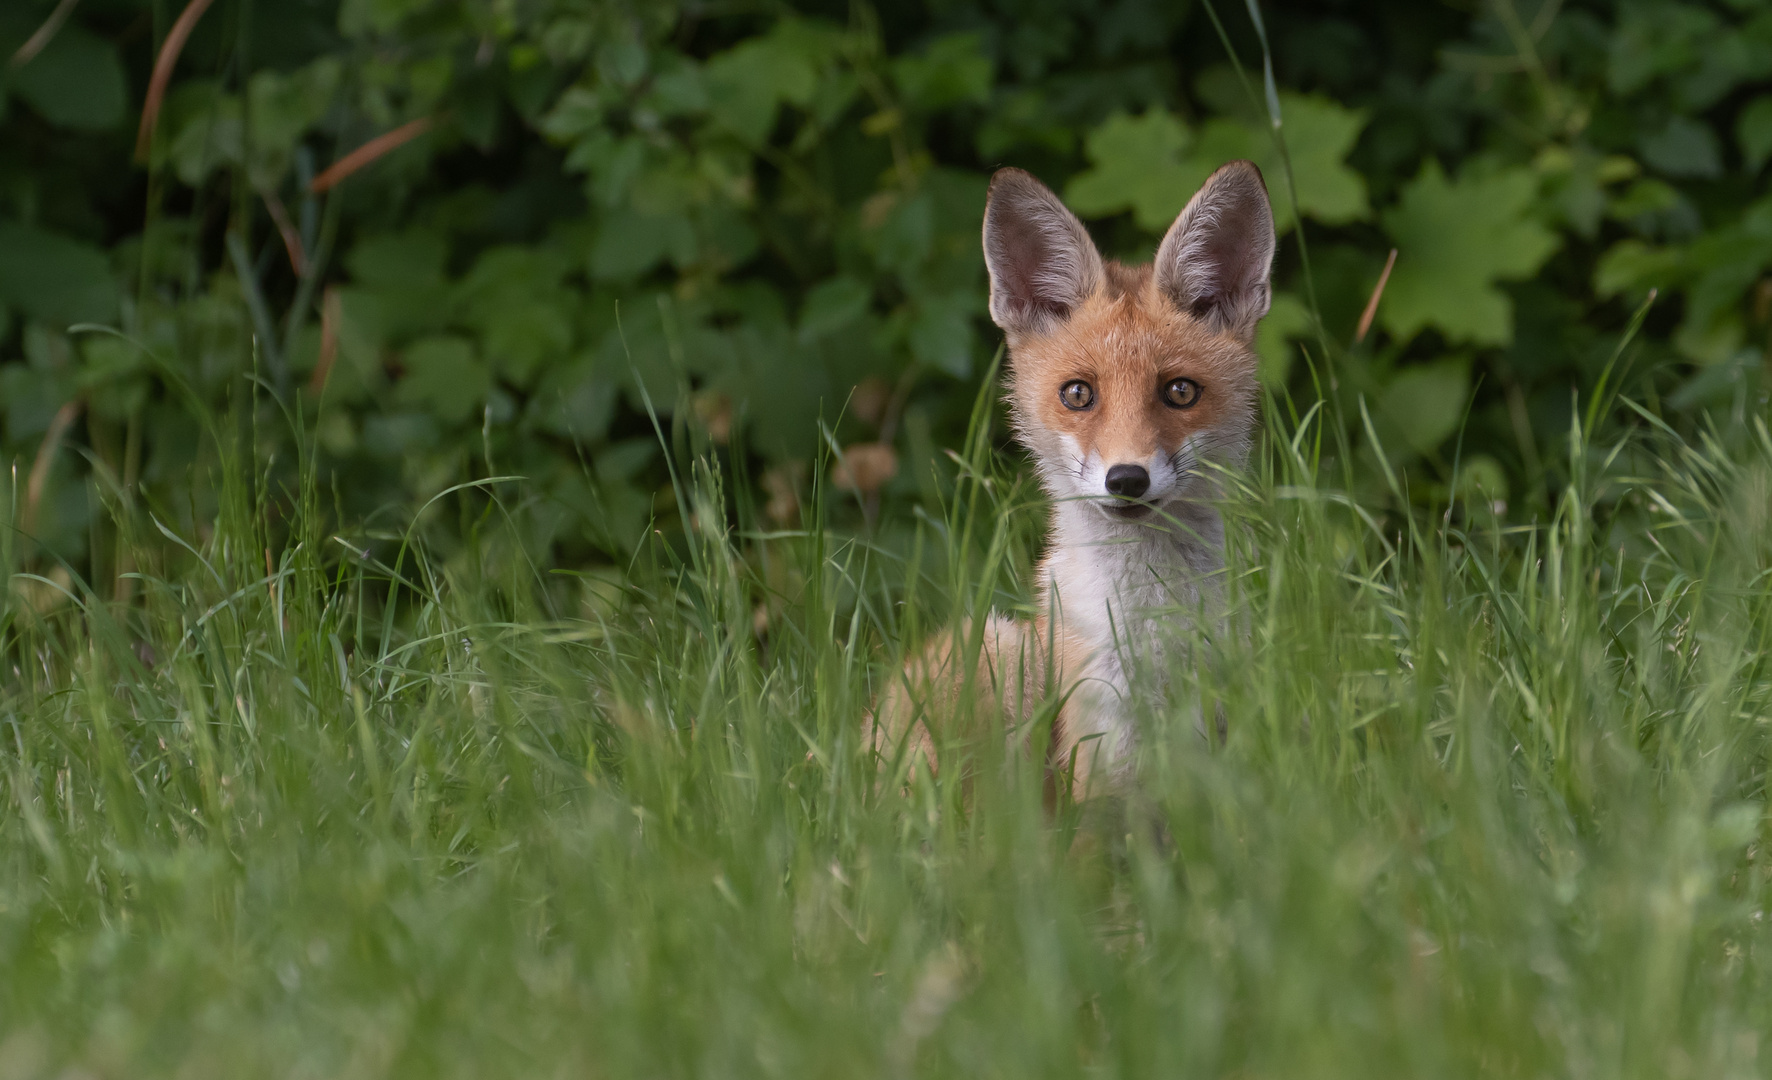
(1128, 480)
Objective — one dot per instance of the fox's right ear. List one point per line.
(1041, 260)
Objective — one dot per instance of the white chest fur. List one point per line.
(1123, 593)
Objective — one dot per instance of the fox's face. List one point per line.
(1124, 380)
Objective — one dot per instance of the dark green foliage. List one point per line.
(747, 213)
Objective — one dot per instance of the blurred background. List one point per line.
(423, 242)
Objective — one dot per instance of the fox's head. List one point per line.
(1124, 379)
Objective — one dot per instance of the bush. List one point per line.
(756, 222)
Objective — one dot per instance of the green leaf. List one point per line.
(620, 506)
(416, 256)
(1710, 342)
(1724, 264)
(1656, 39)
(1753, 132)
(1631, 266)
(578, 113)
(1454, 242)
(204, 132)
(636, 349)
(1575, 182)
(514, 298)
(678, 88)
(621, 60)
(724, 238)
(1152, 164)
(629, 244)
(941, 333)
(953, 70)
(444, 377)
(30, 397)
(522, 337)
(76, 82)
(576, 400)
(624, 460)
(112, 376)
(286, 107)
(1426, 403)
(358, 18)
(1136, 167)
(209, 131)
(53, 278)
(1481, 478)
(905, 239)
(1653, 208)
(400, 436)
(1684, 147)
(833, 305)
(1286, 319)
(403, 292)
(749, 81)
(1319, 135)
(1024, 118)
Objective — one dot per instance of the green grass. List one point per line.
(1491, 801)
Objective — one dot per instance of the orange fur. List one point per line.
(1126, 342)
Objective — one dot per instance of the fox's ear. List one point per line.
(1041, 260)
(1214, 263)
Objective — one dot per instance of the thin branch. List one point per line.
(1372, 304)
(36, 42)
(1526, 45)
(330, 314)
(1541, 22)
(52, 441)
(298, 257)
(367, 153)
(163, 65)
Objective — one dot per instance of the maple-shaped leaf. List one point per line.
(1152, 164)
(748, 82)
(1634, 267)
(1318, 134)
(1455, 240)
(1137, 167)
(1724, 265)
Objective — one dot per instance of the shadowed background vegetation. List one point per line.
(762, 216)
(474, 463)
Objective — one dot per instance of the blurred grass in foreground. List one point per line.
(1490, 803)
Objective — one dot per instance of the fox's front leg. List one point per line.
(948, 696)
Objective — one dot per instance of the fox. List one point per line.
(1124, 384)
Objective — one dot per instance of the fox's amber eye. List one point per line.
(1180, 393)
(1076, 394)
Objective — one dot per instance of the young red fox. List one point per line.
(1123, 382)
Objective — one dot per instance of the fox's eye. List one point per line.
(1076, 394)
(1180, 393)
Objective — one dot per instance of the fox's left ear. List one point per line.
(1214, 262)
